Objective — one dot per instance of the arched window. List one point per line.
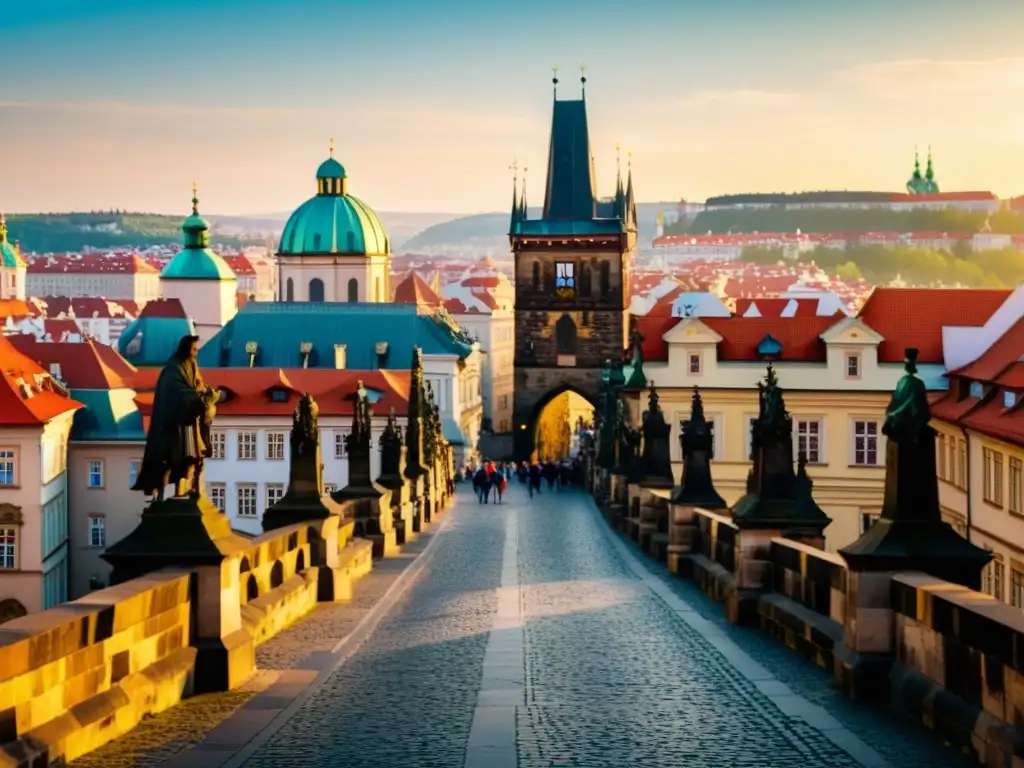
(565, 336)
(289, 290)
(606, 278)
(536, 275)
(353, 291)
(316, 289)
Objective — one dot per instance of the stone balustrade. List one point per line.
(932, 650)
(76, 676)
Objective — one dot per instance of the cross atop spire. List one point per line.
(331, 146)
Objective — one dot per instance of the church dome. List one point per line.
(10, 255)
(196, 261)
(333, 221)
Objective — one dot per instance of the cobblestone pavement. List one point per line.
(614, 677)
(405, 699)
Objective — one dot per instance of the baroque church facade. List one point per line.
(572, 269)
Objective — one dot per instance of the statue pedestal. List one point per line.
(654, 514)
(190, 532)
(401, 506)
(372, 513)
(297, 507)
(783, 516)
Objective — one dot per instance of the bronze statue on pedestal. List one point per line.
(178, 439)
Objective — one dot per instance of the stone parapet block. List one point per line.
(281, 607)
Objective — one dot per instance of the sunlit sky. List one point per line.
(123, 103)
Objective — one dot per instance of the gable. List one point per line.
(691, 330)
(852, 331)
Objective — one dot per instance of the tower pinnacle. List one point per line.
(195, 199)
(330, 146)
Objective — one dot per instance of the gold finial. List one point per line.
(331, 147)
(195, 198)
(583, 72)
(629, 159)
(554, 75)
(515, 169)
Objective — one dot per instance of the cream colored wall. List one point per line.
(952, 493)
(210, 303)
(842, 489)
(335, 272)
(120, 506)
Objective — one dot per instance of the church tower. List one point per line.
(200, 279)
(572, 275)
(12, 267)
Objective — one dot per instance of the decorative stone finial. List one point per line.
(697, 441)
(195, 199)
(657, 461)
(554, 75)
(583, 74)
(330, 147)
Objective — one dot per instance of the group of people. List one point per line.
(491, 478)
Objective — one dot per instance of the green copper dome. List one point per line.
(196, 261)
(10, 257)
(333, 221)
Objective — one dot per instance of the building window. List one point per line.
(565, 279)
(992, 476)
(275, 445)
(218, 444)
(133, 471)
(998, 576)
(853, 366)
(1016, 495)
(97, 531)
(96, 474)
(218, 495)
(316, 290)
(940, 456)
(275, 492)
(9, 547)
(808, 440)
(8, 466)
(865, 443)
(565, 339)
(693, 364)
(977, 389)
(961, 465)
(353, 291)
(1009, 399)
(247, 500)
(339, 445)
(867, 519)
(247, 445)
(1016, 588)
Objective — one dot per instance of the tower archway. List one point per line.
(558, 418)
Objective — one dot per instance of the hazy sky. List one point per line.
(122, 103)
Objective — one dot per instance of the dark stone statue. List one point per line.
(429, 426)
(391, 454)
(910, 534)
(770, 501)
(697, 442)
(657, 461)
(358, 446)
(179, 432)
(414, 428)
(304, 498)
(637, 379)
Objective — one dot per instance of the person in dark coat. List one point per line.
(179, 428)
(482, 483)
(534, 479)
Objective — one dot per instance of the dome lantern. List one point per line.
(197, 231)
(331, 178)
(195, 261)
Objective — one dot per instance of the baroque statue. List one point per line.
(178, 440)
(305, 435)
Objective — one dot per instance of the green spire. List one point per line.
(522, 198)
(197, 231)
(516, 210)
(917, 167)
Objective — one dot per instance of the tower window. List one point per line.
(353, 291)
(565, 279)
(289, 290)
(565, 340)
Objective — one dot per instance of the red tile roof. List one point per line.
(83, 365)
(994, 419)
(249, 388)
(92, 264)
(914, 317)
(163, 308)
(28, 395)
(415, 290)
(16, 309)
(1007, 349)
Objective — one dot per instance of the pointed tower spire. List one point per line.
(570, 192)
(930, 171)
(514, 217)
(523, 210)
(630, 199)
(618, 170)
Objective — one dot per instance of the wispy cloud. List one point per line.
(917, 78)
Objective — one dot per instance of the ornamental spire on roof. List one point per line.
(330, 146)
(930, 172)
(583, 79)
(570, 191)
(554, 81)
(630, 199)
(195, 227)
(514, 218)
(523, 216)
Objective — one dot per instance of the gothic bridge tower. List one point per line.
(572, 275)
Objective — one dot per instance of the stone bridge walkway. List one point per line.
(532, 636)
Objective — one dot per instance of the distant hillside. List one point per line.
(839, 220)
(493, 226)
(52, 232)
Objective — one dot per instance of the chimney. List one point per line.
(340, 357)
